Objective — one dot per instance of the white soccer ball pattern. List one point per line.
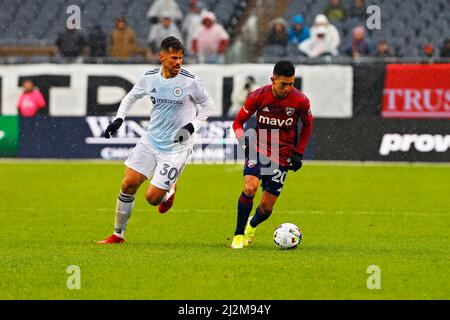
(287, 236)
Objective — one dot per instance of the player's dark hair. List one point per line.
(172, 43)
(284, 68)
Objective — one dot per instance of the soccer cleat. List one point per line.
(112, 240)
(238, 242)
(166, 205)
(249, 232)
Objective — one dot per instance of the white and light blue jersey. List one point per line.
(174, 105)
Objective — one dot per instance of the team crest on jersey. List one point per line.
(178, 92)
(251, 163)
(290, 111)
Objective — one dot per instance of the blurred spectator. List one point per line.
(250, 30)
(123, 40)
(319, 44)
(191, 23)
(359, 45)
(358, 10)
(162, 30)
(210, 41)
(97, 40)
(160, 6)
(278, 34)
(298, 32)
(31, 100)
(445, 51)
(428, 50)
(383, 50)
(71, 43)
(244, 45)
(332, 34)
(335, 11)
(240, 94)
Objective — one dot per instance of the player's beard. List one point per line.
(175, 70)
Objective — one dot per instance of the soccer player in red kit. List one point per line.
(274, 150)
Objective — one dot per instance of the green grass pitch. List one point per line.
(351, 216)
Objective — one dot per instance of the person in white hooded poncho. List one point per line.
(160, 6)
(325, 39)
(320, 44)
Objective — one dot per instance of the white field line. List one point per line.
(288, 212)
(237, 163)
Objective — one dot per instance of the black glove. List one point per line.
(113, 127)
(296, 161)
(184, 133)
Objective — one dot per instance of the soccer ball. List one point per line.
(287, 236)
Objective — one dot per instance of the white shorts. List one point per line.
(165, 168)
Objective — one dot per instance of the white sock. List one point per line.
(124, 207)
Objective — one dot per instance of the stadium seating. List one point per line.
(25, 22)
(406, 25)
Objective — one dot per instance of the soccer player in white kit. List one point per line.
(163, 151)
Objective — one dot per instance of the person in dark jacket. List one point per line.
(71, 43)
(278, 34)
(358, 10)
(445, 51)
(359, 45)
(98, 42)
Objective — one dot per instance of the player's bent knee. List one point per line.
(265, 209)
(153, 202)
(250, 189)
(152, 199)
(129, 187)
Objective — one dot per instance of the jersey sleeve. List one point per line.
(207, 108)
(249, 108)
(201, 97)
(138, 92)
(198, 91)
(307, 125)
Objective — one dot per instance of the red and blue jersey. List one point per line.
(277, 122)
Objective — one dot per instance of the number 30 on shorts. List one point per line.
(171, 173)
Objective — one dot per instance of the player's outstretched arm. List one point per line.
(138, 92)
(245, 139)
(113, 127)
(238, 124)
(207, 108)
(305, 134)
(130, 99)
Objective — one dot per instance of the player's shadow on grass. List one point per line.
(224, 245)
(140, 244)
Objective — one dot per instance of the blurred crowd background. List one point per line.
(222, 31)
